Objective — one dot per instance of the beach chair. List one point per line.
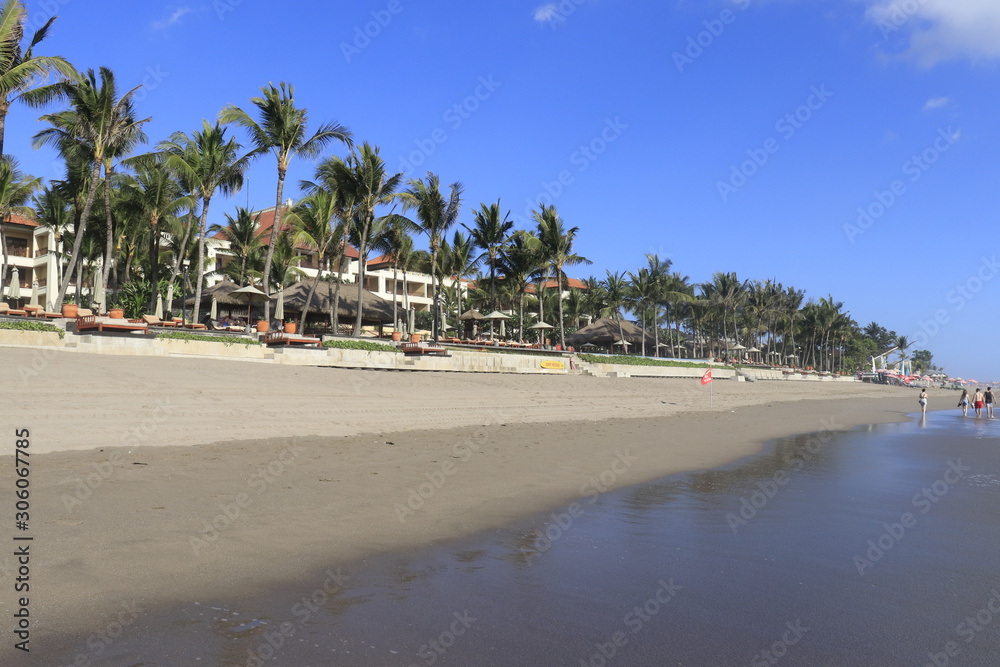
(5, 309)
(418, 349)
(280, 338)
(154, 321)
(108, 324)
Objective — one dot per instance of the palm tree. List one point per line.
(153, 195)
(244, 243)
(207, 162)
(903, 343)
(363, 184)
(557, 247)
(518, 262)
(459, 262)
(99, 126)
(54, 211)
(643, 293)
(21, 68)
(490, 233)
(436, 216)
(314, 219)
(615, 297)
(282, 131)
(393, 242)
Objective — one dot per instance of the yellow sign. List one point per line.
(554, 365)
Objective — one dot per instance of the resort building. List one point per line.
(31, 249)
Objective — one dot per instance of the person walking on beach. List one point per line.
(923, 402)
(977, 402)
(988, 398)
(963, 402)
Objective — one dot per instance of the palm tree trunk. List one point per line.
(520, 317)
(177, 260)
(74, 258)
(435, 287)
(562, 330)
(309, 298)
(406, 301)
(395, 305)
(202, 229)
(362, 265)
(154, 259)
(109, 232)
(275, 229)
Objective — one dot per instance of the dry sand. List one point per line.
(161, 481)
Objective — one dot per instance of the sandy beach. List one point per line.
(158, 481)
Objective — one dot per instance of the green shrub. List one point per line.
(225, 340)
(28, 325)
(638, 361)
(360, 345)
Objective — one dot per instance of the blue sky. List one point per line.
(846, 147)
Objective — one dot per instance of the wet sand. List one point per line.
(336, 472)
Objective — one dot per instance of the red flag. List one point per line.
(707, 377)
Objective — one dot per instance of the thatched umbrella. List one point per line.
(251, 294)
(541, 326)
(375, 310)
(607, 332)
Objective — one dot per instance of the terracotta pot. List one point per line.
(116, 314)
(397, 336)
(262, 326)
(70, 310)
(289, 327)
(414, 338)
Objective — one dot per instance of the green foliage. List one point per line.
(132, 297)
(360, 345)
(225, 340)
(637, 361)
(28, 325)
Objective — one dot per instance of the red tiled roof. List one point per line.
(16, 219)
(266, 222)
(571, 283)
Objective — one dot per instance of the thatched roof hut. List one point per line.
(376, 309)
(605, 332)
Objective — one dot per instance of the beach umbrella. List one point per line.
(539, 327)
(279, 309)
(14, 289)
(251, 294)
(170, 298)
(214, 312)
(159, 307)
(34, 293)
(97, 294)
(492, 317)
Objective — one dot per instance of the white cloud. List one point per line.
(173, 20)
(936, 103)
(548, 13)
(937, 30)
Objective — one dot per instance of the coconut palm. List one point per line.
(244, 243)
(99, 127)
(207, 162)
(518, 262)
(281, 130)
(54, 211)
(20, 68)
(316, 221)
(557, 247)
(489, 233)
(459, 261)
(435, 215)
(395, 243)
(153, 195)
(363, 184)
(616, 292)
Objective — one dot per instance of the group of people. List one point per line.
(981, 399)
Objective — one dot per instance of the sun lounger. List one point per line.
(194, 325)
(5, 309)
(417, 349)
(102, 324)
(279, 338)
(154, 321)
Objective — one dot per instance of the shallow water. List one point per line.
(875, 547)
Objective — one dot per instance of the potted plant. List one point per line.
(262, 326)
(289, 327)
(397, 336)
(70, 310)
(116, 313)
(414, 338)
